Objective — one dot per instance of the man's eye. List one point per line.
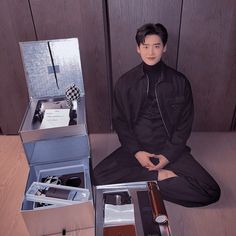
(157, 46)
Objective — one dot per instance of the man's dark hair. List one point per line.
(149, 29)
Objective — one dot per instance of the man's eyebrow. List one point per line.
(153, 44)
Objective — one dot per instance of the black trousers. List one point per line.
(193, 186)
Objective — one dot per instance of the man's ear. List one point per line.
(138, 49)
(165, 48)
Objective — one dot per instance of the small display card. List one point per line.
(55, 118)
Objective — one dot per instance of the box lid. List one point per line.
(51, 66)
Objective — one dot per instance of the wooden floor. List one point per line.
(215, 151)
(13, 175)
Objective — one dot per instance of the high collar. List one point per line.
(152, 68)
(139, 73)
(142, 73)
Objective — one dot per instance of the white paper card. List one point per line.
(119, 214)
(55, 118)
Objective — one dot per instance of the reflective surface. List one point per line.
(51, 66)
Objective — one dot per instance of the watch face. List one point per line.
(161, 219)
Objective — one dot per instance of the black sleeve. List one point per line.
(122, 119)
(177, 142)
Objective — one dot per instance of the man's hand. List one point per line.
(163, 161)
(144, 159)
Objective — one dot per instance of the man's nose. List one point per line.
(150, 51)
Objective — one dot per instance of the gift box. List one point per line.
(51, 67)
(54, 136)
(130, 209)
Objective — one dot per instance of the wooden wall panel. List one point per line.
(15, 26)
(126, 16)
(207, 56)
(82, 19)
(207, 51)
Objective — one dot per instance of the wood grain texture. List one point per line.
(126, 16)
(15, 26)
(13, 175)
(207, 57)
(82, 19)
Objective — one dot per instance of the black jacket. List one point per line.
(175, 102)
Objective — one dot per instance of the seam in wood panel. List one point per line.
(108, 55)
(178, 43)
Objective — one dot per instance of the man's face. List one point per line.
(152, 49)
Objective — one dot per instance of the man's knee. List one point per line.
(214, 194)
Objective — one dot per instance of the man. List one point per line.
(153, 115)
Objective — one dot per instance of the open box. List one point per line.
(50, 67)
(53, 219)
(130, 209)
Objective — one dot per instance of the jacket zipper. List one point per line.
(157, 100)
(147, 84)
